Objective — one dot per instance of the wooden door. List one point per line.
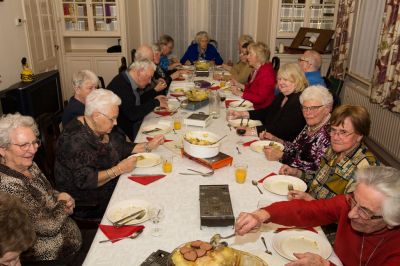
(41, 34)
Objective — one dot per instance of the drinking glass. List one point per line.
(240, 172)
(167, 164)
(156, 214)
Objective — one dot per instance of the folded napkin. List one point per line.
(262, 179)
(280, 229)
(179, 79)
(227, 102)
(112, 232)
(164, 113)
(145, 179)
(247, 144)
(214, 88)
(150, 139)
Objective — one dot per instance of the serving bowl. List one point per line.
(201, 144)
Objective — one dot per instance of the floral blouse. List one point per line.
(305, 151)
(57, 234)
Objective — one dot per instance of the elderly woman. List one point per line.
(307, 149)
(349, 125)
(49, 210)
(283, 118)
(166, 44)
(83, 82)
(92, 154)
(261, 85)
(368, 220)
(16, 233)
(201, 49)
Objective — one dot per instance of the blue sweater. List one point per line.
(315, 78)
(192, 54)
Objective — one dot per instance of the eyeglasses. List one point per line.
(311, 108)
(339, 132)
(24, 147)
(363, 212)
(303, 60)
(112, 119)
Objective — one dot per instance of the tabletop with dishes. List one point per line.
(157, 207)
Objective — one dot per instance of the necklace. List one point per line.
(373, 252)
(319, 126)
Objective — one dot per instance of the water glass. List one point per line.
(177, 122)
(240, 172)
(156, 214)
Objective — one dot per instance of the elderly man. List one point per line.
(310, 62)
(135, 107)
(368, 220)
(83, 82)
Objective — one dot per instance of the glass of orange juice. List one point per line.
(240, 172)
(177, 122)
(167, 164)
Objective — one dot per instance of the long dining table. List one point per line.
(179, 194)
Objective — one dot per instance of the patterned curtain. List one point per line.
(386, 80)
(342, 38)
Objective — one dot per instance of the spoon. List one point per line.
(254, 182)
(219, 140)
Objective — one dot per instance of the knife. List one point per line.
(151, 131)
(129, 216)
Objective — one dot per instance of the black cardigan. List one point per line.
(284, 122)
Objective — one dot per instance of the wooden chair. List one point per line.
(101, 79)
(276, 63)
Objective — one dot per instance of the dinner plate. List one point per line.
(278, 184)
(149, 160)
(245, 122)
(258, 146)
(246, 105)
(300, 241)
(127, 207)
(172, 107)
(178, 91)
(163, 129)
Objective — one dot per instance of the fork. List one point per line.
(265, 245)
(290, 187)
(215, 239)
(201, 173)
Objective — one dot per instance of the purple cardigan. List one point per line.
(305, 151)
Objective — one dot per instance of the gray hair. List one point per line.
(81, 76)
(142, 64)
(99, 100)
(201, 35)
(317, 93)
(155, 47)
(387, 181)
(314, 58)
(144, 51)
(261, 50)
(10, 122)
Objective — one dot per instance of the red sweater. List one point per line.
(348, 241)
(260, 91)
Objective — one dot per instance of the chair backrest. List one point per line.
(123, 66)
(49, 129)
(133, 52)
(103, 85)
(276, 63)
(214, 43)
(334, 85)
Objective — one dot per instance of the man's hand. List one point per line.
(156, 141)
(163, 101)
(161, 85)
(308, 259)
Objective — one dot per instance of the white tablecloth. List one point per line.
(180, 197)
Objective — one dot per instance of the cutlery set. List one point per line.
(134, 216)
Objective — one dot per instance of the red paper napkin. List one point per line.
(179, 79)
(112, 232)
(280, 229)
(163, 113)
(247, 144)
(227, 102)
(262, 179)
(146, 179)
(214, 88)
(150, 139)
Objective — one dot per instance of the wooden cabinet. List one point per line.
(87, 29)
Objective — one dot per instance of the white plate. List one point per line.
(164, 129)
(278, 184)
(178, 90)
(246, 105)
(300, 241)
(125, 208)
(258, 146)
(150, 159)
(172, 107)
(251, 123)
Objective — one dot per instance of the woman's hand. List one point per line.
(126, 165)
(161, 85)
(156, 141)
(287, 170)
(69, 202)
(248, 221)
(232, 114)
(236, 91)
(272, 154)
(308, 259)
(296, 194)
